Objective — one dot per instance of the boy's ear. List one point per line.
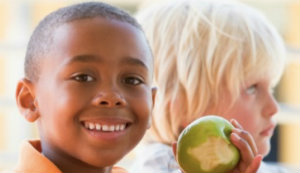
(25, 98)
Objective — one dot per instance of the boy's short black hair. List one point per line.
(40, 41)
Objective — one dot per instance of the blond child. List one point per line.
(87, 85)
(212, 57)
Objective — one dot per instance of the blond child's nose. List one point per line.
(271, 107)
(109, 99)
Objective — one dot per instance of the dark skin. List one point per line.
(98, 72)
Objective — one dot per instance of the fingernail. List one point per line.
(237, 130)
(236, 136)
(234, 121)
(260, 156)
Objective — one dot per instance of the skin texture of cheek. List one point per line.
(253, 124)
(250, 119)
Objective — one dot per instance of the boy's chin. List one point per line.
(102, 162)
(265, 149)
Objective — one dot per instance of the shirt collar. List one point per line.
(32, 160)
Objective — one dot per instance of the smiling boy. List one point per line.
(87, 84)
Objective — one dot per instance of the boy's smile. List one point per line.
(108, 128)
(94, 95)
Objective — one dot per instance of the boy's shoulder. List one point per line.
(32, 160)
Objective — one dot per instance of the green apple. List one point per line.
(204, 146)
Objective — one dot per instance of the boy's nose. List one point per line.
(110, 99)
(271, 107)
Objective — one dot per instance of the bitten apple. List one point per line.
(204, 146)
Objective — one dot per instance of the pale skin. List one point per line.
(250, 159)
(254, 109)
(252, 116)
(98, 72)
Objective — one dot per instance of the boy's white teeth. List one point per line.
(98, 127)
(91, 126)
(104, 127)
(111, 128)
(122, 126)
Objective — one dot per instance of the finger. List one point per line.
(235, 123)
(248, 137)
(246, 152)
(253, 168)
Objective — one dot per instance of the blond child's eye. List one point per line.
(132, 81)
(83, 78)
(252, 89)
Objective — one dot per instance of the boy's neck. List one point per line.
(70, 164)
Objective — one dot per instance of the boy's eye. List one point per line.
(132, 81)
(83, 78)
(252, 89)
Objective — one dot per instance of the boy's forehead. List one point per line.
(98, 33)
(96, 59)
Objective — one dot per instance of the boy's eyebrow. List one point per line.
(94, 58)
(134, 61)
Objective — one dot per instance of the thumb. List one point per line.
(253, 168)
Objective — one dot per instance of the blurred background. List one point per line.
(19, 17)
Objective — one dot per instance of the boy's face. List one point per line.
(254, 110)
(94, 94)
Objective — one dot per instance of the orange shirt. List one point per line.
(32, 161)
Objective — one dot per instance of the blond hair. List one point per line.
(201, 49)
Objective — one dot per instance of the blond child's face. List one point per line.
(94, 92)
(254, 110)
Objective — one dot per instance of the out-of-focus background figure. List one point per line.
(211, 58)
(19, 17)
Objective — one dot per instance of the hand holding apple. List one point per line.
(250, 159)
(205, 146)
